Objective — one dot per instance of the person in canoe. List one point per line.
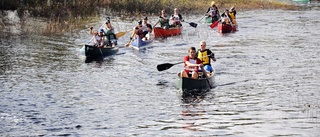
(213, 12)
(98, 37)
(225, 17)
(191, 64)
(138, 31)
(205, 55)
(232, 14)
(147, 28)
(163, 20)
(110, 37)
(176, 18)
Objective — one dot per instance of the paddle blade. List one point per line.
(193, 24)
(164, 66)
(128, 44)
(120, 34)
(214, 24)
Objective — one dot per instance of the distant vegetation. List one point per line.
(67, 13)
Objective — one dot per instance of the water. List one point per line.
(267, 82)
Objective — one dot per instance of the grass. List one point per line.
(66, 17)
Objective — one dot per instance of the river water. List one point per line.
(267, 82)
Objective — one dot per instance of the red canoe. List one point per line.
(226, 28)
(160, 32)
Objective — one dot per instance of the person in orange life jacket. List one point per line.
(213, 12)
(163, 20)
(191, 64)
(205, 55)
(226, 19)
(138, 30)
(176, 18)
(98, 37)
(147, 28)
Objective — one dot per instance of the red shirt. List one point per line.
(193, 61)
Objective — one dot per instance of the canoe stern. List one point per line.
(161, 33)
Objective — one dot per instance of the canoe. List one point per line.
(94, 52)
(161, 33)
(208, 20)
(189, 84)
(226, 28)
(140, 43)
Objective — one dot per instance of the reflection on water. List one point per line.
(193, 96)
(267, 82)
(191, 111)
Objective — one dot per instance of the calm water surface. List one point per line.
(267, 82)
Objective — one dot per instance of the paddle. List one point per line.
(214, 24)
(131, 38)
(101, 53)
(128, 44)
(120, 34)
(165, 66)
(192, 24)
(202, 18)
(90, 39)
(205, 73)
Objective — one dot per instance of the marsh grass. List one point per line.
(58, 25)
(66, 17)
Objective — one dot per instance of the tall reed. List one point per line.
(66, 15)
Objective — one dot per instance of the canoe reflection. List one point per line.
(192, 111)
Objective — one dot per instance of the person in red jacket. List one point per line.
(191, 64)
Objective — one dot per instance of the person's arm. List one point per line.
(133, 33)
(95, 42)
(208, 10)
(211, 55)
(180, 17)
(91, 31)
(156, 24)
(149, 28)
(166, 18)
(199, 63)
(102, 41)
(223, 14)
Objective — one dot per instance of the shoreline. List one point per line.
(68, 19)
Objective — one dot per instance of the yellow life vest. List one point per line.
(231, 14)
(203, 56)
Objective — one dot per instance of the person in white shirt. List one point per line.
(176, 18)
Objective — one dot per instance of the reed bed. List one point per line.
(65, 16)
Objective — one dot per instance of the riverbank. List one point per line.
(64, 17)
